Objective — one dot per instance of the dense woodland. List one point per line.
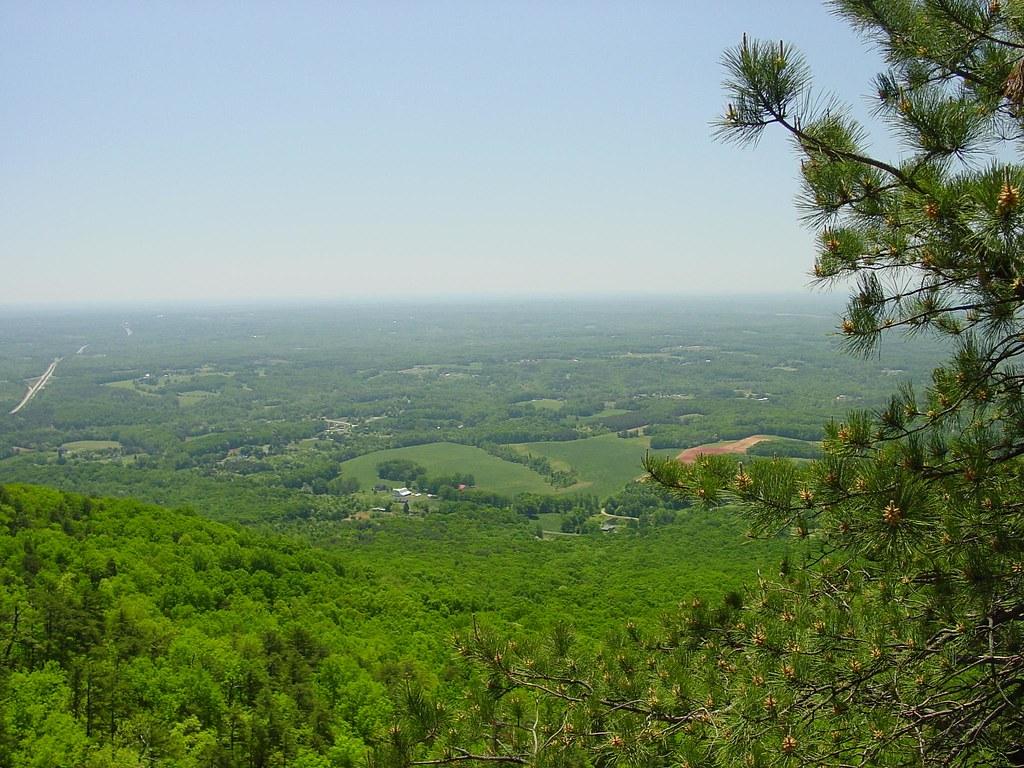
(138, 635)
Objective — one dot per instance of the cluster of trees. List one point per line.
(533, 505)
(558, 478)
(649, 503)
(578, 520)
(414, 475)
(700, 431)
(790, 449)
(447, 486)
(402, 471)
(623, 422)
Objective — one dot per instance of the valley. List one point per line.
(345, 489)
(300, 406)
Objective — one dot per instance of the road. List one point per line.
(40, 383)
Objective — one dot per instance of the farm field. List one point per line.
(491, 473)
(605, 463)
(756, 445)
(723, 446)
(88, 446)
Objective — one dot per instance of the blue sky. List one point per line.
(187, 150)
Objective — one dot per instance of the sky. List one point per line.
(304, 150)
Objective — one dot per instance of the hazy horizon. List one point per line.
(834, 300)
(319, 152)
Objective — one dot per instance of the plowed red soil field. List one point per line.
(712, 449)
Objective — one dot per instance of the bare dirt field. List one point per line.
(712, 449)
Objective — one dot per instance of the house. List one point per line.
(401, 493)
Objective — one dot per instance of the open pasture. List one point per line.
(490, 472)
(91, 446)
(604, 463)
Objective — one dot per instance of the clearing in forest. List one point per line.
(91, 446)
(604, 463)
(490, 472)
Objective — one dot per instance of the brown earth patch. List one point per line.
(714, 449)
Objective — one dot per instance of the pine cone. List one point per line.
(1009, 197)
(1013, 89)
(892, 514)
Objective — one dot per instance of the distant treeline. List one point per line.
(790, 449)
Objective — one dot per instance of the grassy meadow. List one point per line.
(605, 463)
(490, 472)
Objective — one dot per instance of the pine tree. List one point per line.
(900, 639)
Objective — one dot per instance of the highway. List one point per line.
(39, 384)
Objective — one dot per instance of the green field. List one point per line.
(490, 472)
(547, 404)
(132, 386)
(604, 463)
(89, 446)
(121, 384)
(194, 396)
(605, 414)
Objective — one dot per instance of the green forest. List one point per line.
(140, 635)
